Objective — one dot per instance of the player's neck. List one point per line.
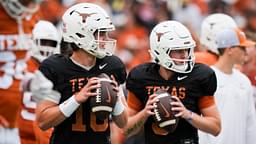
(83, 58)
(165, 73)
(225, 65)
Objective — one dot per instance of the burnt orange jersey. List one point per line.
(206, 58)
(13, 51)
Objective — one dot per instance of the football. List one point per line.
(103, 103)
(164, 116)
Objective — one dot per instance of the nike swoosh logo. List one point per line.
(181, 78)
(102, 66)
(109, 96)
(167, 114)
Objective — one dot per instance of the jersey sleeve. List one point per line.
(47, 68)
(208, 81)
(133, 102)
(117, 69)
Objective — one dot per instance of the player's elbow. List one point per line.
(217, 129)
(43, 126)
(42, 123)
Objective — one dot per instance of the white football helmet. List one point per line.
(46, 40)
(211, 26)
(168, 36)
(20, 8)
(83, 24)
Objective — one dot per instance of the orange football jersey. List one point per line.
(13, 52)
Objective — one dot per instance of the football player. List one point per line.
(191, 85)
(87, 27)
(211, 25)
(46, 42)
(16, 24)
(234, 97)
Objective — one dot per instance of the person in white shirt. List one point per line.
(234, 97)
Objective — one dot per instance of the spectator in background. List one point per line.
(250, 64)
(132, 43)
(211, 25)
(234, 96)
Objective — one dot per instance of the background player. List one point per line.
(15, 40)
(46, 43)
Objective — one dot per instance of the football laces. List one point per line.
(98, 96)
(157, 114)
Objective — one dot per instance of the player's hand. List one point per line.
(181, 110)
(88, 90)
(3, 122)
(148, 110)
(115, 84)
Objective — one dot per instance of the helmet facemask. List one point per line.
(44, 48)
(171, 36)
(88, 26)
(182, 65)
(103, 45)
(185, 65)
(19, 9)
(46, 40)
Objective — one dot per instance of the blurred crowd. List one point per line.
(135, 18)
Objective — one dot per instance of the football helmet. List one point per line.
(46, 40)
(211, 26)
(168, 36)
(84, 24)
(20, 8)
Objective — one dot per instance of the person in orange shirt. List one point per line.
(211, 25)
(46, 42)
(17, 20)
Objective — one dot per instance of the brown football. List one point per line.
(103, 103)
(164, 116)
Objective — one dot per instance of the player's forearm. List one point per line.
(210, 125)
(119, 113)
(121, 120)
(48, 115)
(135, 123)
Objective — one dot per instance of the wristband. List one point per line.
(189, 119)
(69, 106)
(118, 109)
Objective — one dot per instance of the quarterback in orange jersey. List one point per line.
(211, 25)
(46, 42)
(15, 29)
